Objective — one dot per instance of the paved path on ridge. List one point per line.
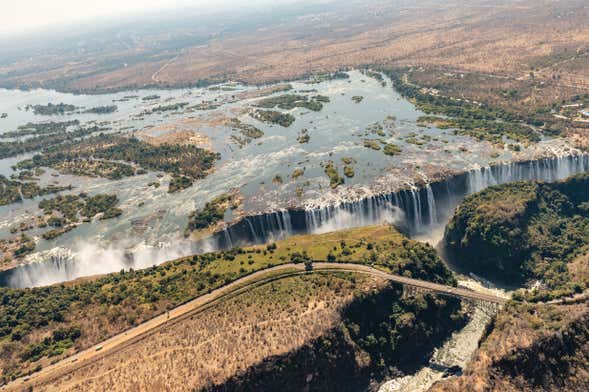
(127, 338)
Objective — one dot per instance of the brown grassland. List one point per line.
(502, 40)
(105, 306)
(212, 346)
(529, 348)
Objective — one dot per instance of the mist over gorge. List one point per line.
(293, 195)
(418, 211)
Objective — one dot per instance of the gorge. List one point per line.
(417, 211)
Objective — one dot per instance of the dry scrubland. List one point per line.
(504, 38)
(219, 342)
(105, 306)
(531, 348)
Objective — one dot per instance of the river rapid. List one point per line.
(416, 190)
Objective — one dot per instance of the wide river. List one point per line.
(150, 230)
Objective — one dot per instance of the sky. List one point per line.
(23, 16)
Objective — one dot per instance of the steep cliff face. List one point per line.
(559, 360)
(488, 232)
(381, 334)
(530, 348)
(517, 232)
(524, 231)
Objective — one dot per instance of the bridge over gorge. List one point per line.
(200, 304)
(412, 286)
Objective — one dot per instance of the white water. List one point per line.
(63, 264)
(456, 351)
(422, 212)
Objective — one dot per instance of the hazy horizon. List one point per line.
(32, 16)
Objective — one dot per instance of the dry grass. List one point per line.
(517, 327)
(182, 278)
(504, 38)
(212, 346)
(173, 135)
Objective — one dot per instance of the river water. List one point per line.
(416, 190)
(456, 351)
(383, 189)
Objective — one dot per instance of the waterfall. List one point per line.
(424, 208)
(416, 202)
(416, 210)
(252, 230)
(431, 203)
(287, 223)
(227, 237)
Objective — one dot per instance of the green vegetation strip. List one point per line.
(291, 101)
(38, 129)
(335, 179)
(12, 191)
(480, 121)
(44, 138)
(211, 213)
(102, 156)
(273, 117)
(51, 109)
(104, 306)
(64, 212)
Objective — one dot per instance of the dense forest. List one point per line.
(64, 213)
(212, 212)
(532, 233)
(38, 129)
(44, 140)
(12, 191)
(525, 231)
(273, 117)
(110, 150)
(291, 101)
(52, 109)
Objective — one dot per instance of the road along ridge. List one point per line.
(197, 305)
